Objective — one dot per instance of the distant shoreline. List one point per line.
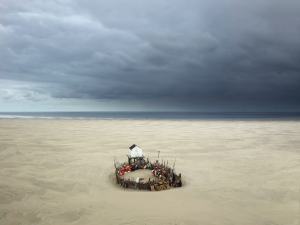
(154, 115)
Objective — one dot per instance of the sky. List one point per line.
(138, 55)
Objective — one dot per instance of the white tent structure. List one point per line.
(135, 153)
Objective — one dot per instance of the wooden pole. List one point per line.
(174, 162)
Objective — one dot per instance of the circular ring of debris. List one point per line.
(140, 174)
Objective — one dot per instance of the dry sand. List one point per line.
(142, 174)
(237, 172)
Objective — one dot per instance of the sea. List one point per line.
(155, 115)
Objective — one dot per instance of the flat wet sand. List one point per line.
(56, 171)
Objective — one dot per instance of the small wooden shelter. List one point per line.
(164, 176)
(135, 155)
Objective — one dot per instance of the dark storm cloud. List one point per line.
(230, 55)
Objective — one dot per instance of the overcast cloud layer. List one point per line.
(150, 55)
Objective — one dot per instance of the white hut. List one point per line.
(135, 153)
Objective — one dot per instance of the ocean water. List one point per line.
(156, 115)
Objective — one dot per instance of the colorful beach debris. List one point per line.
(163, 176)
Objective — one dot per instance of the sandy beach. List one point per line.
(57, 171)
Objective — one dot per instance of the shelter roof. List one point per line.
(135, 152)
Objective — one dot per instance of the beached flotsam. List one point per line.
(164, 177)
